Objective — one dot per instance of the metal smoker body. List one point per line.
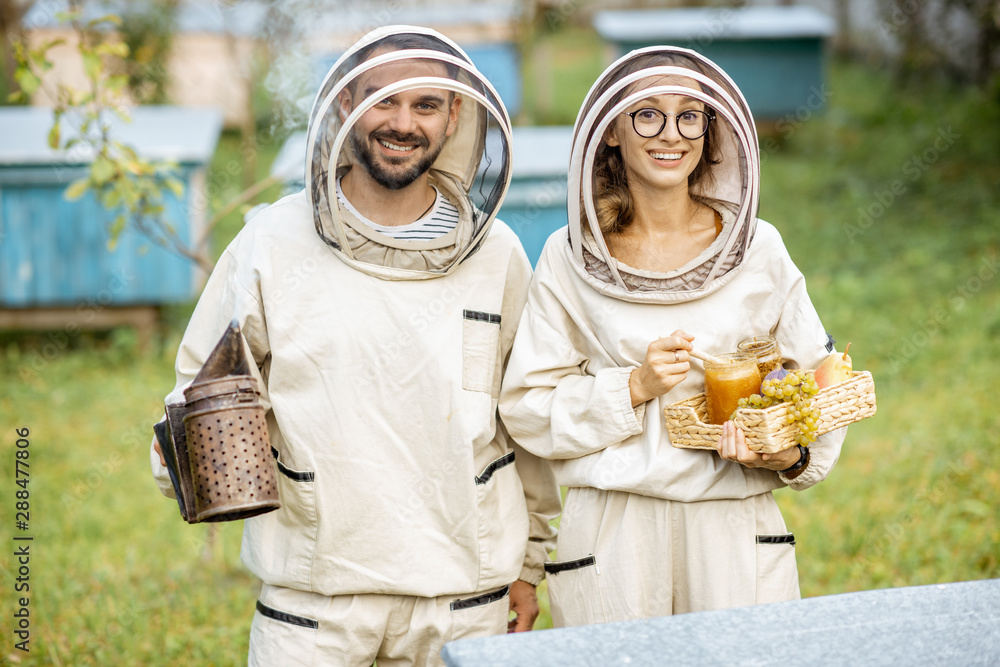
(216, 443)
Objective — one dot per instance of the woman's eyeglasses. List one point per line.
(690, 124)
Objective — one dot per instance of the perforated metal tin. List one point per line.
(232, 468)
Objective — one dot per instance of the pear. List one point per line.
(835, 368)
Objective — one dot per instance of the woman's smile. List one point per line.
(667, 158)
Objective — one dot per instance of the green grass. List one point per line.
(913, 499)
(118, 578)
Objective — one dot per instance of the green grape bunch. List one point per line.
(796, 389)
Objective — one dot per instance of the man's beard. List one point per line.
(365, 154)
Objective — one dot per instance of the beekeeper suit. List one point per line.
(649, 529)
(380, 325)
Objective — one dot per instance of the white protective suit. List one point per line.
(649, 529)
(380, 363)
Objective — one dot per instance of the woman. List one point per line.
(665, 167)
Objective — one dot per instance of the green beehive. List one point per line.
(776, 55)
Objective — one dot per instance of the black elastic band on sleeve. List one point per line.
(285, 617)
(801, 463)
(501, 462)
(481, 600)
(480, 316)
(566, 566)
(788, 538)
(292, 474)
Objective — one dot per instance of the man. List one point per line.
(380, 306)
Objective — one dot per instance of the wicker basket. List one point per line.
(766, 431)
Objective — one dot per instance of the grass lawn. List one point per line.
(117, 578)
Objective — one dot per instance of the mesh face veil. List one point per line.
(729, 181)
(423, 75)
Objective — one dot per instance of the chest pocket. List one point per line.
(481, 352)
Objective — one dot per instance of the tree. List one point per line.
(11, 16)
(120, 179)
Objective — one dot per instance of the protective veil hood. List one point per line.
(731, 186)
(473, 174)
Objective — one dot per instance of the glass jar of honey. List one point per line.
(736, 376)
(765, 348)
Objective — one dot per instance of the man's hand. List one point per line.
(156, 448)
(524, 603)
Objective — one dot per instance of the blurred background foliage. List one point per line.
(118, 578)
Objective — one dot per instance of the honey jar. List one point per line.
(736, 377)
(765, 348)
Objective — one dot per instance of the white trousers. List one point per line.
(623, 556)
(294, 628)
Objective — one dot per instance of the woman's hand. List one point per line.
(733, 447)
(665, 366)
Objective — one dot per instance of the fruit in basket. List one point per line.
(778, 373)
(796, 388)
(835, 368)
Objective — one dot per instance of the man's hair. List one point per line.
(404, 42)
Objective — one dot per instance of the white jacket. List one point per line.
(380, 364)
(590, 317)
(382, 397)
(566, 397)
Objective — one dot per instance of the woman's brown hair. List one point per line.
(612, 199)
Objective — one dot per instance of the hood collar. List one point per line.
(734, 182)
(480, 169)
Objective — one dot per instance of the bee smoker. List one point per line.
(216, 443)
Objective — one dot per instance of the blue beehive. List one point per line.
(54, 252)
(535, 205)
(775, 55)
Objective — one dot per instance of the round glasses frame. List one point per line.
(689, 132)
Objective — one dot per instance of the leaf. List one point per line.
(38, 59)
(129, 194)
(112, 198)
(54, 135)
(16, 97)
(118, 49)
(113, 19)
(77, 189)
(116, 228)
(116, 84)
(91, 65)
(67, 17)
(102, 170)
(136, 167)
(27, 81)
(175, 186)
